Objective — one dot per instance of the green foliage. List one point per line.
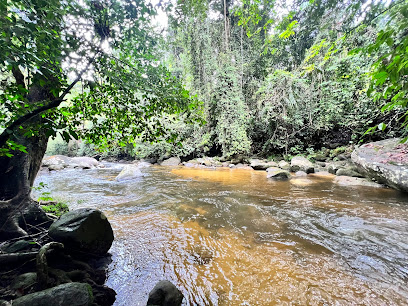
(390, 70)
(49, 46)
(47, 202)
(57, 209)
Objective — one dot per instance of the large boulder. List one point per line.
(277, 173)
(258, 164)
(84, 162)
(172, 161)
(129, 172)
(72, 294)
(54, 160)
(165, 293)
(300, 163)
(86, 230)
(59, 162)
(386, 161)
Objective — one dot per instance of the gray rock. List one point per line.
(354, 181)
(59, 162)
(320, 157)
(55, 167)
(86, 230)
(17, 246)
(301, 173)
(284, 165)
(56, 160)
(165, 293)
(301, 163)
(242, 166)
(386, 161)
(258, 164)
(84, 162)
(69, 294)
(172, 161)
(191, 165)
(348, 172)
(23, 281)
(129, 172)
(143, 164)
(343, 157)
(333, 168)
(277, 173)
(206, 161)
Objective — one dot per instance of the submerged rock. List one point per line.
(386, 161)
(301, 163)
(354, 181)
(277, 173)
(70, 294)
(300, 173)
(85, 230)
(172, 161)
(129, 172)
(165, 293)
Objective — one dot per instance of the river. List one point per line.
(233, 237)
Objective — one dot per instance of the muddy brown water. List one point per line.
(233, 237)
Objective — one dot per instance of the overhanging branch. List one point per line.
(53, 104)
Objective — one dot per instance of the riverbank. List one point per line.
(232, 236)
(63, 263)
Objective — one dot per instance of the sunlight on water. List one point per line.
(232, 237)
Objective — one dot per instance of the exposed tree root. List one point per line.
(42, 266)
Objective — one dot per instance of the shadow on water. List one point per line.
(228, 237)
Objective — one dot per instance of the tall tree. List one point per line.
(47, 47)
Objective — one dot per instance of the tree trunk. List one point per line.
(19, 214)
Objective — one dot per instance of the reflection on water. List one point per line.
(232, 237)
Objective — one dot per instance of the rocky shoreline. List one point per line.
(372, 165)
(64, 264)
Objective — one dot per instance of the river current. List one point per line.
(233, 237)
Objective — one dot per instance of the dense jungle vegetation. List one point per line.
(281, 77)
(268, 77)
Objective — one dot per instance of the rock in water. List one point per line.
(172, 161)
(257, 164)
(86, 230)
(72, 294)
(277, 173)
(84, 162)
(284, 165)
(300, 163)
(59, 162)
(348, 172)
(54, 160)
(129, 172)
(355, 181)
(166, 294)
(386, 161)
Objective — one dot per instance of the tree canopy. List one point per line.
(71, 62)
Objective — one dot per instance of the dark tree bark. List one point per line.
(19, 214)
